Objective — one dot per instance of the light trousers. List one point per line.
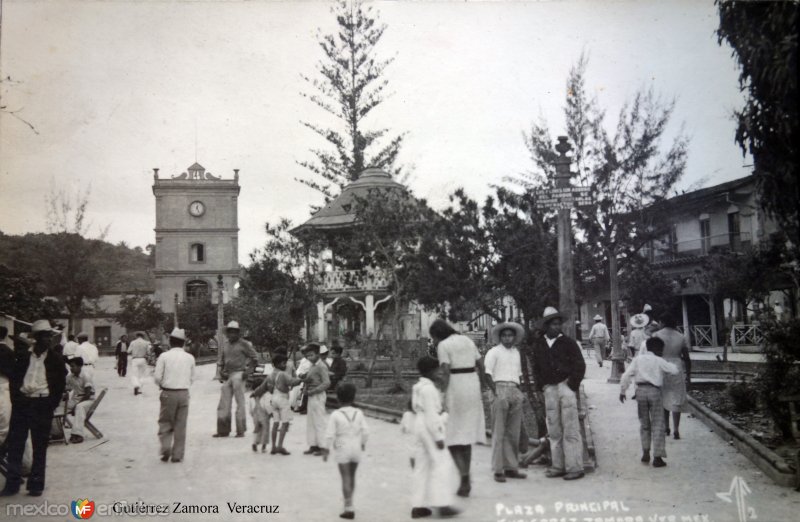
(316, 421)
(232, 388)
(80, 410)
(651, 419)
(506, 427)
(138, 371)
(563, 428)
(5, 409)
(172, 422)
(599, 346)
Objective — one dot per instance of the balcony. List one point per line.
(349, 281)
(699, 247)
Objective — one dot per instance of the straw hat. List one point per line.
(551, 313)
(598, 318)
(179, 334)
(519, 332)
(233, 325)
(639, 320)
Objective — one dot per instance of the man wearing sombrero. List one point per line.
(637, 337)
(558, 369)
(235, 357)
(599, 337)
(503, 370)
(37, 381)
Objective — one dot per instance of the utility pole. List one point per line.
(220, 324)
(566, 285)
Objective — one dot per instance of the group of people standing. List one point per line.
(445, 429)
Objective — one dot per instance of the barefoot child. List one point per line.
(647, 370)
(281, 403)
(261, 411)
(347, 434)
(430, 484)
(407, 427)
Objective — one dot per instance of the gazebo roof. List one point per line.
(340, 212)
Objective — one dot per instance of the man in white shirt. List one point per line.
(137, 351)
(71, 348)
(174, 373)
(88, 352)
(647, 370)
(599, 338)
(503, 370)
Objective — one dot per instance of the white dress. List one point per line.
(463, 399)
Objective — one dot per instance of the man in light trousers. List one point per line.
(317, 382)
(174, 374)
(503, 370)
(599, 337)
(235, 357)
(558, 371)
(137, 351)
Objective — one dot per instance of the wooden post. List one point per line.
(175, 311)
(617, 357)
(712, 311)
(220, 326)
(566, 294)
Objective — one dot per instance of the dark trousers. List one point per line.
(122, 365)
(32, 416)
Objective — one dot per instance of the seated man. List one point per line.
(81, 396)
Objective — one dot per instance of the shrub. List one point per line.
(780, 375)
(742, 395)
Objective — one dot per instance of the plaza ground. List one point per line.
(124, 466)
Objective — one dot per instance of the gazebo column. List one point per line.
(369, 310)
(321, 321)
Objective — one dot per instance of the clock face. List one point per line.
(197, 208)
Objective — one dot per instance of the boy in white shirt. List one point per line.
(347, 433)
(647, 371)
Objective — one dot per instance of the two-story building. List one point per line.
(724, 218)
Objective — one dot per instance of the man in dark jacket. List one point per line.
(37, 381)
(558, 369)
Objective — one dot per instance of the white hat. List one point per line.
(598, 318)
(178, 333)
(42, 325)
(647, 308)
(551, 313)
(323, 349)
(519, 332)
(233, 325)
(639, 320)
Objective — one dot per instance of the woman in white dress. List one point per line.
(462, 369)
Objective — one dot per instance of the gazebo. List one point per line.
(367, 288)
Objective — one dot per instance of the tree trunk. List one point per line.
(397, 371)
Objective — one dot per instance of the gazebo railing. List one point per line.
(353, 280)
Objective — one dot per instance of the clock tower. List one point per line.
(197, 235)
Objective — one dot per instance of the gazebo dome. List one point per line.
(340, 211)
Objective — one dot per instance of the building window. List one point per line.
(197, 253)
(705, 236)
(734, 231)
(197, 290)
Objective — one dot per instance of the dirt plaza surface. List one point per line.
(222, 479)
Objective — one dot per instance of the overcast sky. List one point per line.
(115, 88)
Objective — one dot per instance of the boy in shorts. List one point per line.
(283, 382)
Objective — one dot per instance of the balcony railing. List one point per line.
(353, 281)
(701, 246)
(746, 335)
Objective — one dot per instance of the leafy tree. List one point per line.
(350, 86)
(22, 296)
(763, 36)
(627, 172)
(271, 305)
(390, 226)
(642, 284)
(140, 313)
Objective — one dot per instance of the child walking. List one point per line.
(347, 434)
(281, 403)
(647, 370)
(431, 477)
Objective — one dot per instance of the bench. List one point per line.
(794, 418)
(60, 421)
(88, 421)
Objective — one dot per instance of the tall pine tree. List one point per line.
(350, 85)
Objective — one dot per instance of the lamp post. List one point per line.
(220, 323)
(175, 311)
(566, 294)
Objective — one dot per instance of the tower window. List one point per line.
(197, 290)
(197, 253)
